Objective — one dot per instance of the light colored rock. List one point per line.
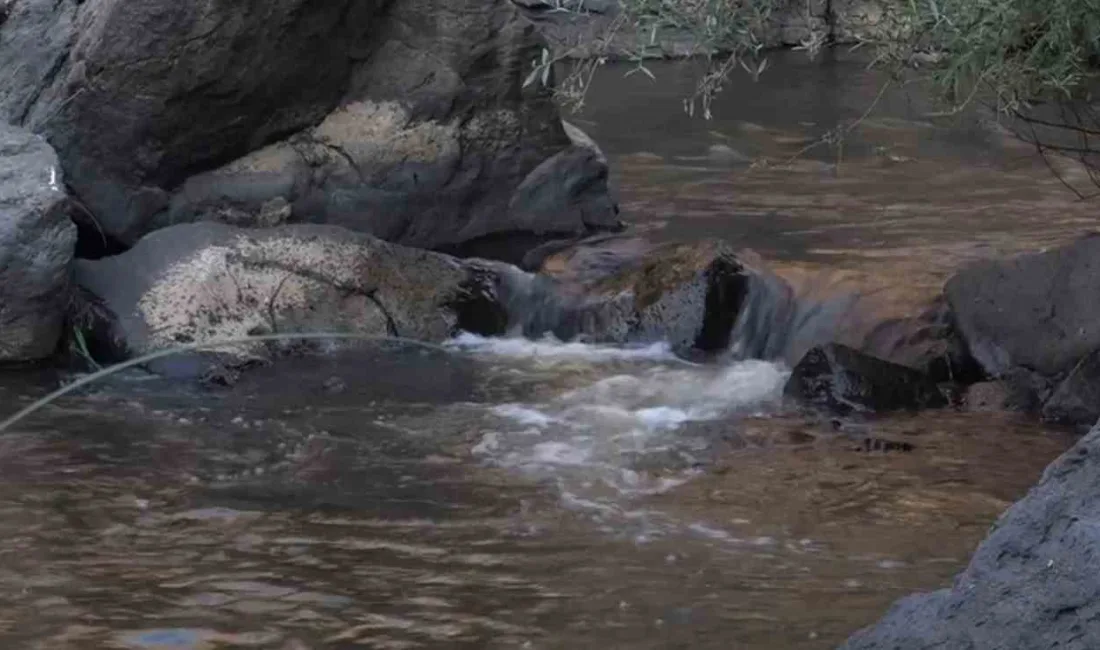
(208, 282)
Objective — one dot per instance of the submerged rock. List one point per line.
(408, 119)
(844, 380)
(1018, 389)
(928, 342)
(1077, 399)
(36, 246)
(205, 282)
(1035, 311)
(1033, 583)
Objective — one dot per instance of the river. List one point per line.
(522, 494)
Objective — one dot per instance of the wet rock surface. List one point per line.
(196, 283)
(626, 290)
(407, 120)
(1032, 582)
(845, 380)
(36, 247)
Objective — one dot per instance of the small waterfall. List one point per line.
(774, 322)
(626, 412)
(777, 323)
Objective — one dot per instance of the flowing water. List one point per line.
(533, 494)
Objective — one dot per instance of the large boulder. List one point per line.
(1037, 311)
(845, 380)
(406, 119)
(1033, 583)
(197, 283)
(36, 246)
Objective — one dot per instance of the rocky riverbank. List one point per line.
(408, 122)
(1031, 324)
(176, 173)
(1031, 583)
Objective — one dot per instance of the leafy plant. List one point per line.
(82, 348)
(729, 35)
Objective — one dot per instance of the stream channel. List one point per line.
(505, 493)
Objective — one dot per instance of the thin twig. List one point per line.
(842, 132)
(159, 354)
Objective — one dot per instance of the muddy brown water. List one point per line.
(509, 494)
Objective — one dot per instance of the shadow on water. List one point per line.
(523, 494)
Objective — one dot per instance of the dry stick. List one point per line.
(152, 356)
(1044, 152)
(842, 132)
(84, 208)
(1043, 155)
(1090, 166)
(1055, 125)
(576, 77)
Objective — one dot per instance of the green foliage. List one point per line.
(730, 35)
(81, 344)
(728, 26)
(1011, 51)
(1032, 60)
(1017, 51)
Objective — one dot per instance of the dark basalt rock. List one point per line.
(1035, 311)
(1076, 400)
(845, 380)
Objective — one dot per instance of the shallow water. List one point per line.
(502, 495)
(531, 494)
(907, 198)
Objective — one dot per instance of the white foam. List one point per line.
(523, 415)
(608, 423)
(559, 453)
(711, 532)
(593, 440)
(662, 417)
(551, 349)
(489, 443)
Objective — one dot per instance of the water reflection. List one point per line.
(337, 522)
